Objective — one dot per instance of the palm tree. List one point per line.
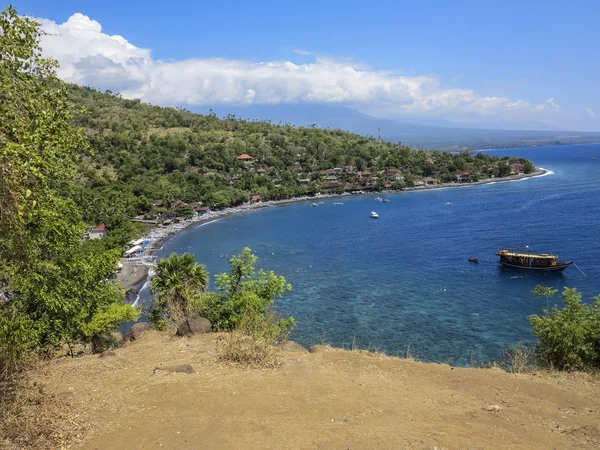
(178, 278)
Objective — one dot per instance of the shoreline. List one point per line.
(136, 271)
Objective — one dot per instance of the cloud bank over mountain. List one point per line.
(88, 56)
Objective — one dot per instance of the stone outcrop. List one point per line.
(136, 331)
(194, 325)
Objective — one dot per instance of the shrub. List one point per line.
(568, 338)
(519, 359)
(254, 340)
(240, 292)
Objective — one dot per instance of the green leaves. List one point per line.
(568, 338)
(178, 280)
(58, 287)
(243, 291)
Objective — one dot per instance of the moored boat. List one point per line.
(541, 262)
(374, 215)
(472, 259)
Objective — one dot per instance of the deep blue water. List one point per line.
(404, 279)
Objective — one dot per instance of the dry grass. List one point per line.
(253, 342)
(519, 359)
(241, 348)
(32, 416)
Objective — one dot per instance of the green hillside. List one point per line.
(144, 153)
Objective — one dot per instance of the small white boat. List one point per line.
(314, 204)
(386, 200)
(374, 215)
(338, 203)
(379, 199)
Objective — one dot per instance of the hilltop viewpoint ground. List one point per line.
(174, 393)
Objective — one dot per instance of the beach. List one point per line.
(135, 270)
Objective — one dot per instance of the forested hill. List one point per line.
(144, 153)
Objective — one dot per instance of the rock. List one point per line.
(136, 331)
(181, 368)
(494, 408)
(106, 354)
(291, 346)
(317, 349)
(194, 325)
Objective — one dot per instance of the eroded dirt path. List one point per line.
(331, 399)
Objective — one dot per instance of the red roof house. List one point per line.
(245, 157)
(97, 232)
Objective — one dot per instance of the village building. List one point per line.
(517, 168)
(368, 181)
(393, 175)
(460, 176)
(245, 158)
(201, 210)
(261, 171)
(331, 178)
(326, 172)
(430, 181)
(177, 204)
(332, 185)
(304, 181)
(256, 199)
(97, 232)
(419, 182)
(158, 204)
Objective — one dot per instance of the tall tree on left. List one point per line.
(54, 288)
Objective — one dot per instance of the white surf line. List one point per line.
(209, 222)
(546, 173)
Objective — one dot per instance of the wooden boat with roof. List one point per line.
(541, 262)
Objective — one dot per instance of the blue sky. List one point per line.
(513, 63)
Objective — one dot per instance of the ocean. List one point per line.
(402, 283)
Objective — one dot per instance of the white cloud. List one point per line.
(590, 112)
(90, 57)
(299, 51)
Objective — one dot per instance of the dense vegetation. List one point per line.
(54, 287)
(568, 338)
(144, 153)
(241, 303)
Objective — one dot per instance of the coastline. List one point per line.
(136, 271)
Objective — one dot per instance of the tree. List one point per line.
(568, 338)
(177, 281)
(54, 288)
(244, 291)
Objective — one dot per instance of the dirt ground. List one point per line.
(329, 399)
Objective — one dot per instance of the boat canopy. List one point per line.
(518, 254)
(133, 249)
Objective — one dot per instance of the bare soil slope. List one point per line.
(330, 399)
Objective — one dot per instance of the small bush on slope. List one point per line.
(568, 338)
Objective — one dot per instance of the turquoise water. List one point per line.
(404, 280)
